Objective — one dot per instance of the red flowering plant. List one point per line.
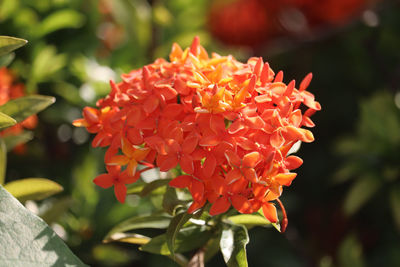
(224, 127)
(17, 116)
(9, 90)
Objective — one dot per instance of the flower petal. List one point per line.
(277, 139)
(181, 181)
(120, 160)
(232, 158)
(293, 162)
(250, 160)
(221, 205)
(186, 163)
(104, 180)
(167, 162)
(241, 204)
(120, 192)
(250, 174)
(131, 169)
(269, 212)
(285, 178)
(209, 165)
(190, 144)
(197, 190)
(127, 148)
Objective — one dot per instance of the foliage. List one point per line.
(18, 225)
(75, 47)
(371, 158)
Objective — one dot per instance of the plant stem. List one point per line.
(180, 259)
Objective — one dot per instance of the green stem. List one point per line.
(180, 259)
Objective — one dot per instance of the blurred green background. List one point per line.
(343, 207)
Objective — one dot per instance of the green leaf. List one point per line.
(233, 243)
(249, 220)
(156, 184)
(136, 188)
(276, 225)
(23, 107)
(109, 255)
(140, 222)
(173, 229)
(6, 59)
(33, 188)
(3, 161)
(6, 121)
(8, 8)
(212, 246)
(362, 190)
(131, 238)
(161, 15)
(395, 205)
(171, 202)
(188, 239)
(350, 252)
(8, 44)
(26, 240)
(62, 19)
(46, 63)
(68, 92)
(12, 141)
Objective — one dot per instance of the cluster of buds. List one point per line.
(9, 90)
(228, 125)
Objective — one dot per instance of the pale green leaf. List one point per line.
(131, 238)
(33, 188)
(161, 15)
(141, 222)
(136, 188)
(6, 121)
(8, 8)
(12, 141)
(154, 185)
(361, 191)
(46, 63)
(233, 243)
(249, 220)
(26, 240)
(61, 19)
(23, 107)
(6, 59)
(9, 44)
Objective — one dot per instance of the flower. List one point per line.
(131, 156)
(229, 126)
(114, 177)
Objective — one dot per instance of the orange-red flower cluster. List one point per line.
(228, 125)
(11, 90)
